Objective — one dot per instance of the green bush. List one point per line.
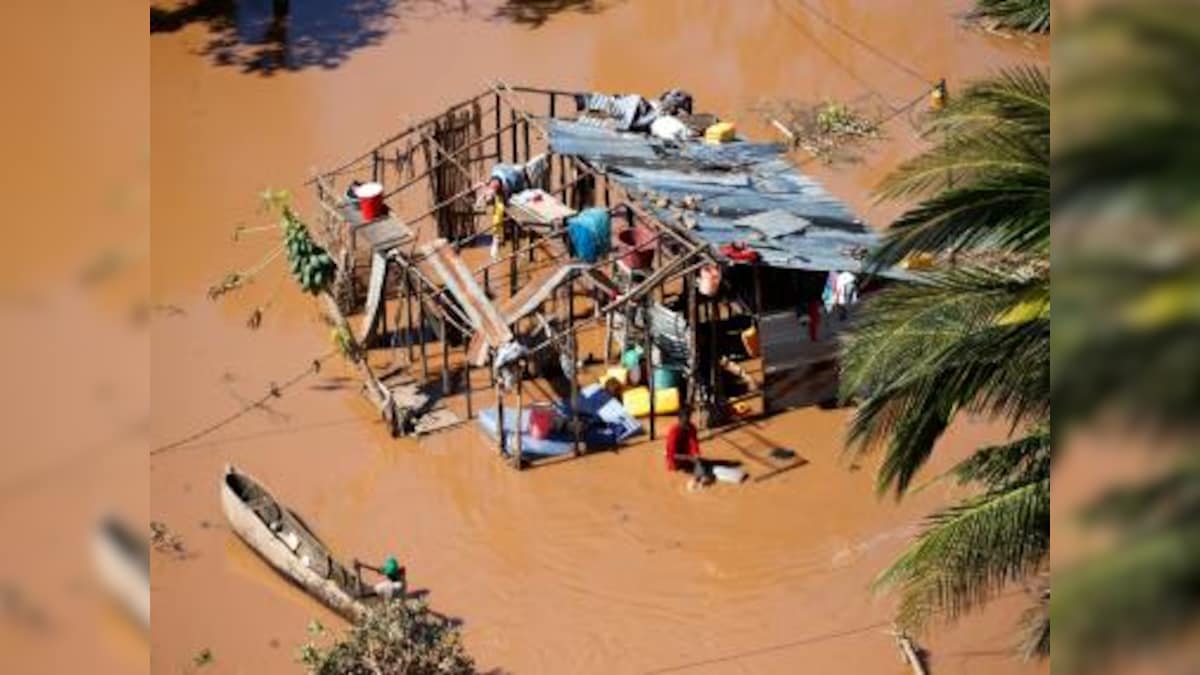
(394, 638)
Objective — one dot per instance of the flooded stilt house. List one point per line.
(625, 273)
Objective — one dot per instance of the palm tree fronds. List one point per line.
(1000, 465)
(986, 180)
(1010, 213)
(971, 551)
(1028, 15)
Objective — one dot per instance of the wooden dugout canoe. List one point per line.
(280, 537)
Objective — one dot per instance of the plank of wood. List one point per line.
(458, 279)
(385, 233)
(537, 207)
(379, 265)
(524, 303)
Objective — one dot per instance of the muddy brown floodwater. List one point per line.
(605, 564)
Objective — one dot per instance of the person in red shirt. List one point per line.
(683, 444)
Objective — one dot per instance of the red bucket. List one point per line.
(370, 200)
(638, 244)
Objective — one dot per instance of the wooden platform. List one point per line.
(431, 414)
(537, 207)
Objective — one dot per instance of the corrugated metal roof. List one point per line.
(742, 191)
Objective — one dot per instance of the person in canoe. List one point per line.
(395, 577)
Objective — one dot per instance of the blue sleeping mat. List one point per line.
(610, 425)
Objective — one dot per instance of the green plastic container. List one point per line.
(665, 378)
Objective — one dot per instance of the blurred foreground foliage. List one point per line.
(1125, 346)
(1126, 343)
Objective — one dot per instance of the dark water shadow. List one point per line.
(267, 36)
(264, 37)
(535, 13)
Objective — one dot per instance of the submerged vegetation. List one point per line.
(311, 266)
(970, 336)
(394, 637)
(830, 131)
(1027, 15)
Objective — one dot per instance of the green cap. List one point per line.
(391, 567)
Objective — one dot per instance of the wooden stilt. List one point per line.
(516, 157)
(445, 359)
(520, 403)
(499, 138)
(758, 291)
(512, 260)
(694, 329)
(648, 339)
(408, 311)
(608, 331)
(525, 136)
(532, 249)
(501, 440)
(574, 361)
(396, 322)
(421, 330)
(467, 378)
(713, 358)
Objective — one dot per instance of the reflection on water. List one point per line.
(265, 36)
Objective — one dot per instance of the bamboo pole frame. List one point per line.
(677, 253)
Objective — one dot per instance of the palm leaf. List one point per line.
(971, 551)
(922, 352)
(1027, 15)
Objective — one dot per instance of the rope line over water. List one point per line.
(273, 391)
(893, 61)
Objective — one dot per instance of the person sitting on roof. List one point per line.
(395, 577)
(683, 446)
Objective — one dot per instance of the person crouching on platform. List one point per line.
(505, 181)
(395, 577)
(683, 447)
